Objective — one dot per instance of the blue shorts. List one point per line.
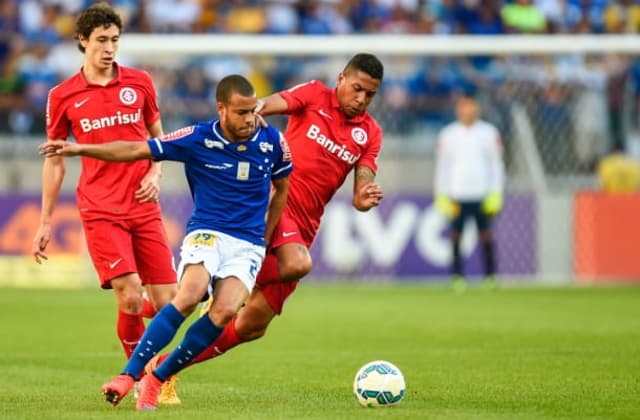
(471, 209)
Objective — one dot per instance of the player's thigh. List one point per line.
(255, 316)
(294, 261)
(193, 285)
(153, 255)
(110, 246)
(240, 259)
(230, 293)
(127, 290)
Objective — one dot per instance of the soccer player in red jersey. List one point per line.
(118, 202)
(330, 133)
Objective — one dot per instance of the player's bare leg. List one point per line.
(128, 293)
(161, 294)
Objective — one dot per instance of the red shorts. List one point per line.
(139, 245)
(276, 293)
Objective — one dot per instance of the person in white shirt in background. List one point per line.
(469, 182)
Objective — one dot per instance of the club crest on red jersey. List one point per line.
(359, 135)
(128, 95)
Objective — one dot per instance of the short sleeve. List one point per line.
(151, 109)
(372, 152)
(299, 96)
(57, 123)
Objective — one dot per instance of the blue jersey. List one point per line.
(230, 182)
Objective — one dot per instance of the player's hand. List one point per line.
(447, 206)
(149, 191)
(370, 195)
(59, 148)
(40, 242)
(259, 118)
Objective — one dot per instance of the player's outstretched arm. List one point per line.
(276, 205)
(366, 193)
(120, 151)
(271, 105)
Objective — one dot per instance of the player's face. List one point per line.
(101, 47)
(238, 116)
(467, 110)
(355, 90)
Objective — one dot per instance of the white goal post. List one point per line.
(156, 45)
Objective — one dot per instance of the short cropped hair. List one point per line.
(233, 84)
(367, 63)
(95, 16)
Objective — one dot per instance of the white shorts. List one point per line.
(222, 255)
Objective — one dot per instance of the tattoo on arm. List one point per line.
(364, 174)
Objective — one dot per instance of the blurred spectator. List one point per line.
(522, 16)
(585, 16)
(618, 71)
(172, 15)
(622, 16)
(246, 17)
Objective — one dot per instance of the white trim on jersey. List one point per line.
(159, 144)
(214, 128)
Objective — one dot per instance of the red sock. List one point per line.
(269, 272)
(227, 340)
(148, 311)
(130, 330)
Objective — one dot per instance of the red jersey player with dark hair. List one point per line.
(118, 202)
(330, 133)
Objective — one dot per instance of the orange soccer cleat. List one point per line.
(115, 390)
(149, 390)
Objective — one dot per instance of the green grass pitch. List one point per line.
(516, 353)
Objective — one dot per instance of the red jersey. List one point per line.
(325, 145)
(121, 110)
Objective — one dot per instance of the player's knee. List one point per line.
(130, 301)
(296, 268)
(222, 313)
(160, 296)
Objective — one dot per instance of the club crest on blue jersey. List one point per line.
(211, 144)
(266, 147)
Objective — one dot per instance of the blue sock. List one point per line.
(199, 336)
(159, 333)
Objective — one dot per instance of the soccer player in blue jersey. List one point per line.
(230, 164)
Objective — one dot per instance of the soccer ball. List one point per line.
(379, 384)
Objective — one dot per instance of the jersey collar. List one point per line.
(336, 105)
(111, 82)
(215, 127)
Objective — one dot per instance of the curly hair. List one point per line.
(97, 15)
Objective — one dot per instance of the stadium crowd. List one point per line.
(418, 92)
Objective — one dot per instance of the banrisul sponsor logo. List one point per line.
(119, 118)
(338, 150)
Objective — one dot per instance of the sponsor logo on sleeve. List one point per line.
(179, 133)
